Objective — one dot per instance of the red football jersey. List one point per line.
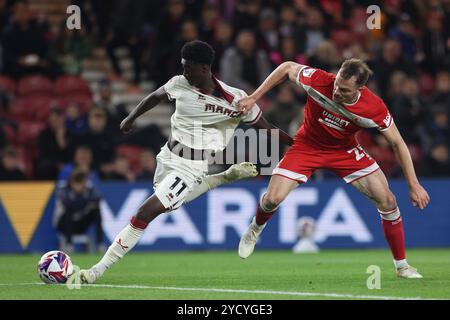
(330, 125)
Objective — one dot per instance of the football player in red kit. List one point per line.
(337, 107)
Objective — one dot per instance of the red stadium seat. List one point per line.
(7, 84)
(35, 85)
(21, 110)
(133, 155)
(40, 107)
(84, 102)
(70, 85)
(28, 133)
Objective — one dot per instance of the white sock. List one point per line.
(400, 263)
(124, 242)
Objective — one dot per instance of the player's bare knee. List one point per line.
(387, 202)
(272, 201)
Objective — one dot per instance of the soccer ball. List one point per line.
(55, 267)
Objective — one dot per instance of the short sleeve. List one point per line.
(383, 118)
(312, 77)
(172, 88)
(253, 116)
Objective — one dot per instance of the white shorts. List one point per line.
(175, 177)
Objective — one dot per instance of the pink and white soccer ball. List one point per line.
(55, 267)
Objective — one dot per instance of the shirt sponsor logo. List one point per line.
(387, 120)
(219, 109)
(333, 121)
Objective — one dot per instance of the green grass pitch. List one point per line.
(266, 275)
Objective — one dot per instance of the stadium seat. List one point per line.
(133, 155)
(7, 84)
(28, 132)
(34, 85)
(20, 110)
(71, 85)
(40, 107)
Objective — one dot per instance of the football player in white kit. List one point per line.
(205, 115)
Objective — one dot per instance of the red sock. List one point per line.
(262, 217)
(138, 224)
(393, 232)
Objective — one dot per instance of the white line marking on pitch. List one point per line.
(286, 293)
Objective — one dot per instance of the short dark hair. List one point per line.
(357, 68)
(78, 175)
(198, 51)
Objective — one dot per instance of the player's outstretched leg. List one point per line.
(375, 187)
(236, 172)
(279, 188)
(125, 240)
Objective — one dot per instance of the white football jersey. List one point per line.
(202, 121)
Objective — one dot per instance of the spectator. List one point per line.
(126, 30)
(390, 61)
(405, 33)
(54, 146)
(77, 208)
(25, 45)
(325, 56)
(441, 95)
(120, 170)
(268, 31)
(408, 111)
(83, 161)
(76, 122)
(438, 128)
(9, 165)
(246, 14)
(99, 140)
(209, 21)
(116, 112)
(287, 52)
(437, 163)
(245, 66)
(223, 39)
(168, 25)
(316, 30)
(72, 46)
(435, 43)
(148, 166)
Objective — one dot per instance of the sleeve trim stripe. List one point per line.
(384, 129)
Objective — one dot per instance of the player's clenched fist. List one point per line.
(246, 104)
(126, 125)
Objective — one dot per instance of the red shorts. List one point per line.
(302, 159)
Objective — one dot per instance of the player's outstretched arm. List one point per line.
(419, 196)
(264, 124)
(149, 102)
(286, 70)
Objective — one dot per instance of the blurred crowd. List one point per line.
(410, 57)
